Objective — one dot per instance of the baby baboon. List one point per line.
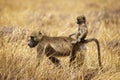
(54, 47)
(80, 34)
(82, 31)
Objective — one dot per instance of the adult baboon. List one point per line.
(53, 47)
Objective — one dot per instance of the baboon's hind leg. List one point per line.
(49, 52)
(72, 57)
(73, 53)
(55, 60)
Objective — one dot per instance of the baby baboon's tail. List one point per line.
(98, 48)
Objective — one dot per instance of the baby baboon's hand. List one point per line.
(78, 40)
(74, 42)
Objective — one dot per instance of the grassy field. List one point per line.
(18, 18)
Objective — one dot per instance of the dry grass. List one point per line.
(18, 18)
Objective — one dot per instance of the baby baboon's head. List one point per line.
(35, 37)
(81, 19)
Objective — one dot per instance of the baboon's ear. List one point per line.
(40, 33)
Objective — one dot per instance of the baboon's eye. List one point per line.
(31, 37)
(40, 33)
(35, 39)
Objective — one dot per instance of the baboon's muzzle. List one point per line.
(32, 43)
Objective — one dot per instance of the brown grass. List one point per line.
(18, 18)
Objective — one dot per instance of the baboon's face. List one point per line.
(34, 39)
(81, 19)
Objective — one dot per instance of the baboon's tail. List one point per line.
(98, 48)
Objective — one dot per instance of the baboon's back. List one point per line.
(60, 44)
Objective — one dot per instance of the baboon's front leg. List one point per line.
(40, 51)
